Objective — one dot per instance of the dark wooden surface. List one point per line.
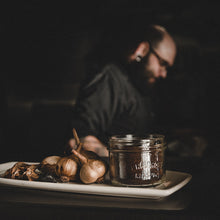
(199, 199)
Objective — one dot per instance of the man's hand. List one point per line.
(90, 143)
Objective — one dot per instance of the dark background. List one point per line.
(44, 45)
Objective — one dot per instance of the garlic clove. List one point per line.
(92, 171)
(51, 160)
(67, 167)
(88, 175)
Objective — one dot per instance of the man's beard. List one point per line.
(140, 77)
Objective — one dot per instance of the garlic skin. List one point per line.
(91, 171)
(51, 160)
(67, 167)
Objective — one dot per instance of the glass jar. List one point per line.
(137, 161)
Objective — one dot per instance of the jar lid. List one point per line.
(146, 142)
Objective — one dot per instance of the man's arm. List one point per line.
(94, 111)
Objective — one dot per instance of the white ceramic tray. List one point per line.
(174, 181)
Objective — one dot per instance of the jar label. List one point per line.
(144, 176)
(146, 169)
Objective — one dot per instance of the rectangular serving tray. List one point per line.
(174, 181)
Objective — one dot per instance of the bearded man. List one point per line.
(116, 99)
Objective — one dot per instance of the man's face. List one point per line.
(159, 59)
(155, 64)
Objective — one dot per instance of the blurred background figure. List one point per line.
(117, 95)
(49, 51)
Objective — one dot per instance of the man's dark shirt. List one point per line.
(109, 104)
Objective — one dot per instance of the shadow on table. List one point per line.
(178, 201)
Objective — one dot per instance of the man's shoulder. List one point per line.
(108, 75)
(114, 71)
